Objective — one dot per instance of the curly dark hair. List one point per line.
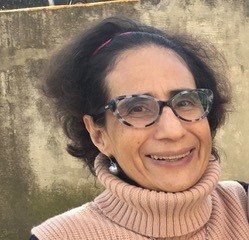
(75, 77)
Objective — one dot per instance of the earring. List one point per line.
(212, 158)
(113, 168)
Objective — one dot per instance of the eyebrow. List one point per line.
(172, 92)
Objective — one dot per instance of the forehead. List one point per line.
(148, 69)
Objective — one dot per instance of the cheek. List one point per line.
(204, 135)
(201, 132)
(124, 140)
(117, 135)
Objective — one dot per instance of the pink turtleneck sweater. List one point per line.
(208, 210)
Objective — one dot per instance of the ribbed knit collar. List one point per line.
(156, 214)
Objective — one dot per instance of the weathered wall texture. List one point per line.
(37, 177)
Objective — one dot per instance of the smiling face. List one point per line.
(171, 155)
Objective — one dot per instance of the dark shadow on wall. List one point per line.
(38, 205)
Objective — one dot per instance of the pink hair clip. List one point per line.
(101, 46)
(107, 42)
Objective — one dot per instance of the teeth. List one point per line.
(170, 158)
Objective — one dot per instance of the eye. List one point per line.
(138, 109)
(185, 103)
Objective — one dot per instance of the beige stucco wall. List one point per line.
(37, 177)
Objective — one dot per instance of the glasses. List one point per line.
(141, 110)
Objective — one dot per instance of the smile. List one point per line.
(170, 158)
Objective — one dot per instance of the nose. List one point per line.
(169, 126)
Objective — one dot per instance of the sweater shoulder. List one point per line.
(68, 225)
(232, 193)
(232, 187)
(86, 222)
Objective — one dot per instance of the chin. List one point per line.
(176, 187)
(179, 189)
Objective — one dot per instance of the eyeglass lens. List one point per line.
(143, 110)
(138, 111)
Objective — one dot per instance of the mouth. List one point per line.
(170, 158)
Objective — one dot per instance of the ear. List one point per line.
(98, 135)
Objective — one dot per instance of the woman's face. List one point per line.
(144, 153)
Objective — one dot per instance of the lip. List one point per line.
(171, 158)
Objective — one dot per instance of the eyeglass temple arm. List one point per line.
(102, 109)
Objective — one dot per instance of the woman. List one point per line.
(142, 108)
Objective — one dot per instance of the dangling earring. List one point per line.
(212, 158)
(113, 168)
